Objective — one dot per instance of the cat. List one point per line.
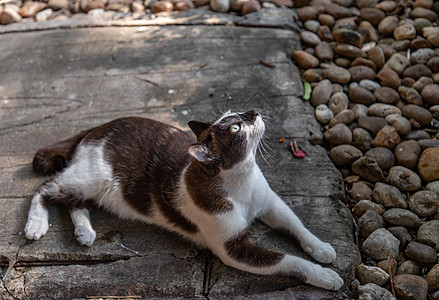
(208, 190)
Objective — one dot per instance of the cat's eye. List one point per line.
(235, 128)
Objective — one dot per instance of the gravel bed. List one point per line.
(374, 71)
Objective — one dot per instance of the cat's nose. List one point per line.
(251, 115)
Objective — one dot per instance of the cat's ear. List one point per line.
(201, 153)
(198, 127)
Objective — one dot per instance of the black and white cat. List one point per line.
(209, 190)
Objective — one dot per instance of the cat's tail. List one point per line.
(55, 158)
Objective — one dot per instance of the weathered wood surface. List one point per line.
(57, 82)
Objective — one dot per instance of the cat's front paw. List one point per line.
(36, 227)
(85, 236)
(327, 279)
(322, 252)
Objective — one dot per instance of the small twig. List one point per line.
(149, 81)
(12, 262)
(390, 274)
(267, 64)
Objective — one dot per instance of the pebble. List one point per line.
(376, 55)
(321, 93)
(312, 25)
(361, 95)
(402, 234)
(383, 157)
(420, 12)
(410, 95)
(9, 15)
(310, 38)
(433, 278)
(323, 114)
(433, 186)
(387, 137)
(338, 102)
(303, 59)
(359, 73)
(428, 165)
(368, 169)
(31, 8)
(220, 5)
(424, 203)
(389, 78)
(397, 62)
(369, 85)
(420, 253)
(369, 274)
(361, 135)
(428, 143)
(57, 4)
(364, 205)
(371, 124)
(417, 135)
(360, 110)
(430, 94)
(386, 95)
(250, 6)
(360, 191)
(422, 56)
(417, 71)
(407, 154)
(324, 32)
(348, 50)
(372, 291)
(347, 36)
(400, 123)
(404, 179)
(307, 13)
(432, 35)
(405, 31)
(368, 223)
(383, 110)
(344, 155)
(433, 64)
(418, 113)
(410, 287)
(401, 217)
(388, 196)
(421, 83)
(339, 134)
(336, 74)
(388, 25)
(409, 267)
(428, 234)
(338, 11)
(324, 51)
(372, 15)
(43, 15)
(388, 265)
(381, 243)
(346, 117)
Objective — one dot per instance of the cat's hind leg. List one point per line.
(280, 216)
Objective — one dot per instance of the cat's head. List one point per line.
(227, 141)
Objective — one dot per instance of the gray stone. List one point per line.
(424, 203)
(344, 155)
(364, 205)
(397, 62)
(369, 274)
(383, 157)
(428, 143)
(368, 223)
(421, 56)
(402, 234)
(372, 291)
(323, 114)
(428, 233)
(371, 124)
(383, 110)
(370, 85)
(409, 267)
(388, 195)
(338, 102)
(360, 110)
(400, 123)
(420, 253)
(410, 287)
(339, 134)
(433, 186)
(407, 154)
(321, 93)
(404, 179)
(361, 135)
(401, 217)
(368, 169)
(380, 244)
